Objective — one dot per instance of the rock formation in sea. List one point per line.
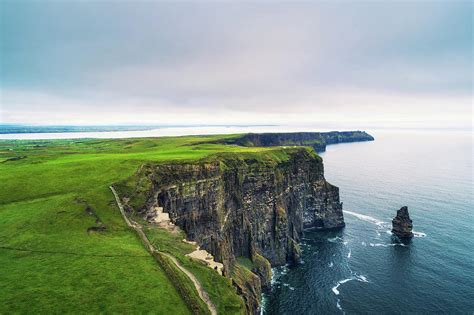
(402, 224)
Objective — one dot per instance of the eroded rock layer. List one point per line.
(244, 207)
(316, 140)
(402, 225)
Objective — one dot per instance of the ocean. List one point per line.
(360, 269)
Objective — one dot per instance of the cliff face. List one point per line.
(245, 207)
(402, 225)
(317, 140)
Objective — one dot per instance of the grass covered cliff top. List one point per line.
(64, 246)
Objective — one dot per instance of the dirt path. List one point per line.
(202, 293)
(137, 227)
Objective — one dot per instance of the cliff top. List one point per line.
(55, 196)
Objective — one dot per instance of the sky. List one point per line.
(345, 63)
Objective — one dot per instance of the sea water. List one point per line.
(360, 269)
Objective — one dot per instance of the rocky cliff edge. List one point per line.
(243, 205)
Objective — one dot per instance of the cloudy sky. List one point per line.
(367, 63)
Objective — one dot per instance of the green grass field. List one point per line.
(63, 244)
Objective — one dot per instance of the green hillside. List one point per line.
(64, 246)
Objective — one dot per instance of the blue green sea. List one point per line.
(360, 269)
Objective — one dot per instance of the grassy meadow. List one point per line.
(63, 244)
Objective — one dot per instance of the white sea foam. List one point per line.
(330, 264)
(419, 234)
(386, 245)
(349, 254)
(360, 278)
(366, 218)
(335, 288)
(334, 239)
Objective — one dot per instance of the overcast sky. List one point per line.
(367, 63)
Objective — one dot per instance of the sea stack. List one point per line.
(402, 225)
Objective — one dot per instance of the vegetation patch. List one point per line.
(183, 285)
(67, 257)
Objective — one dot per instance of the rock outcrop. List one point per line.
(316, 140)
(236, 205)
(402, 224)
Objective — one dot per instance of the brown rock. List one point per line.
(402, 224)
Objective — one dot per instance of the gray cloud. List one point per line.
(235, 62)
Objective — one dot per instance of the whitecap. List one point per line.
(419, 234)
(361, 278)
(291, 288)
(330, 264)
(366, 218)
(334, 239)
(386, 245)
(364, 244)
(335, 288)
(349, 254)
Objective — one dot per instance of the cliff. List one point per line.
(243, 205)
(316, 140)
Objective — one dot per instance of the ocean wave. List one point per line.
(335, 288)
(335, 239)
(366, 218)
(359, 278)
(386, 245)
(330, 264)
(349, 254)
(419, 234)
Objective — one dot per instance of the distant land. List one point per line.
(19, 128)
